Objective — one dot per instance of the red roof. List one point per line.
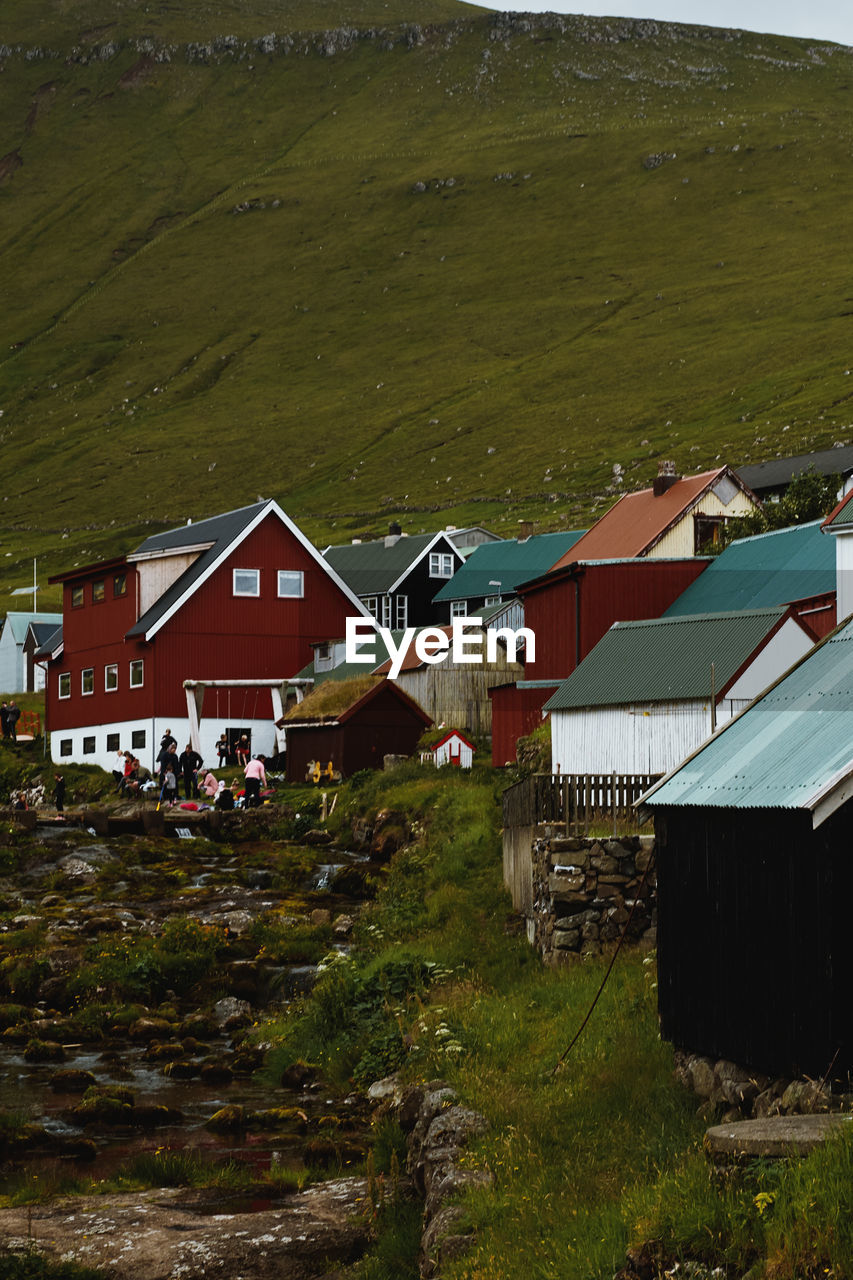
(452, 733)
(639, 520)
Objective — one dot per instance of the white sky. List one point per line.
(818, 19)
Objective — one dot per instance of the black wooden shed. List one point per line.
(755, 878)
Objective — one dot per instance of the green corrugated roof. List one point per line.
(768, 569)
(786, 748)
(664, 659)
(508, 562)
(844, 514)
(370, 568)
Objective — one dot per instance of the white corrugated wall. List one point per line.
(631, 739)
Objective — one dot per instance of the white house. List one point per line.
(651, 691)
(13, 673)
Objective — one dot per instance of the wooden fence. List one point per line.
(576, 801)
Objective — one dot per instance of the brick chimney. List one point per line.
(525, 530)
(393, 535)
(666, 477)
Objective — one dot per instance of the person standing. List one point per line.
(255, 774)
(13, 712)
(190, 763)
(4, 718)
(59, 793)
(222, 750)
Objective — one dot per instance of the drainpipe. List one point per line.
(713, 700)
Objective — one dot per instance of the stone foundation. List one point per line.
(584, 892)
(749, 1095)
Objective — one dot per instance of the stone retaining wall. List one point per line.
(584, 891)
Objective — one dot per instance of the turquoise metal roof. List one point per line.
(843, 515)
(664, 659)
(508, 562)
(768, 569)
(786, 750)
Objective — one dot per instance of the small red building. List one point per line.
(349, 725)
(223, 602)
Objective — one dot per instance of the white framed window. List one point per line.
(246, 582)
(291, 584)
(87, 680)
(386, 611)
(490, 600)
(322, 657)
(64, 684)
(458, 609)
(111, 677)
(371, 604)
(401, 612)
(137, 673)
(440, 564)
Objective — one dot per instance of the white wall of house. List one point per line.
(69, 746)
(629, 739)
(785, 648)
(844, 574)
(11, 662)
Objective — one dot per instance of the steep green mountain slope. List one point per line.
(451, 269)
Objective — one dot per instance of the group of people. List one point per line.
(10, 714)
(187, 766)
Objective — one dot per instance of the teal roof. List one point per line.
(665, 659)
(843, 514)
(789, 748)
(769, 569)
(372, 568)
(508, 562)
(18, 622)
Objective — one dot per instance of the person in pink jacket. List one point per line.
(255, 774)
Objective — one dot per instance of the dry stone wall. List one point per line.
(586, 891)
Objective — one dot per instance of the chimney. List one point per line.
(525, 530)
(666, 477)
(394, 534)
(356, 542)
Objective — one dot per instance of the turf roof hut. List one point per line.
(755, 878)
(352, 724)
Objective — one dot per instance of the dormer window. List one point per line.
(246, 582)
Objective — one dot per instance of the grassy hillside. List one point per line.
(426, 272)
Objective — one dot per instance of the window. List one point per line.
(137, 673)
(371, 604)
(401, 612)
(64, 689)
(247, 582)
(76, 597)
(137, 739)
(322, 657)
(88, 746)
(291, 584)
(99, 591)
(440, 564)
(490, 600)
(113, 741)
(66, 746)
(458, 609)
(87, 680)
(386, 611)
(111, 678)
(119, 584)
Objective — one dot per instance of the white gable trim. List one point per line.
(442, 537)
(271, 508)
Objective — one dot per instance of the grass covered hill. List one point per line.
(394, 261)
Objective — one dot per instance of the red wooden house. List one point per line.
(232, 603)
(569, 610)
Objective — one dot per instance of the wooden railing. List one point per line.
(576, 801)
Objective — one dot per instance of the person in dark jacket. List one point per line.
(59, 793)
(190, 762)
(4, 718)
(13, 713)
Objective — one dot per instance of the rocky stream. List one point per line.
(134, 970)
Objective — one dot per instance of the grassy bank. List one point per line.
(588, 1156)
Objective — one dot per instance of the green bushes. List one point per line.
(144, 968)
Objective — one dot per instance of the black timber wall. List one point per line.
(755, 937)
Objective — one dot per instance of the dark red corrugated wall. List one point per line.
(515, 713)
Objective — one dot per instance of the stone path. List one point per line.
(176, 1234)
